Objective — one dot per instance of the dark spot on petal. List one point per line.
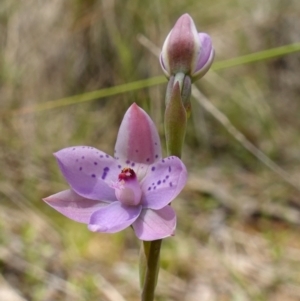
(107, 156)
(148, 159)
(74, 148)
(119, 166)
(170, 184)
(104, 176)
(95, 163)
(82, 157)
(93, 176)
(156, 156)
(154, 187)
(153, 168)
(80, 168)
(149, 188)
(158, 183)
(153, 183)
(76, 160)
(136, 150)
(155, 143)
(132, 164)
(170, 169)
(167, 177)
(127, 162)
(101, 156)
(164, 181)
(106, 169)
(163, 161)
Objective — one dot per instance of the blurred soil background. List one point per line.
(238, 234)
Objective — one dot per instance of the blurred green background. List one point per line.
(238, 220)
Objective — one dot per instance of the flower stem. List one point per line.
(175, 126)
(151, 250)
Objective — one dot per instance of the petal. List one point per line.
(182, 45)
(205, 57)
(205, 50)
(73, 206)
(164, 59)
(89, 171)
(163, 182)
(138, 140)
(113, 218)
(155, 224)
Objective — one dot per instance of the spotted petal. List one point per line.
(137, 140)
(89, 171)
(113, 218)
(163, 182)
(155, 224)
(73, 206)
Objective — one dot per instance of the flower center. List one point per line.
(127, 189)
(127, 173)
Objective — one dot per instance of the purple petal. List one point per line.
(206, 47)
(164, 59)
(113, 218)
(155, 224)
(163, 182)
(138, 140)
(181, 45)
(205, 57)
(73, 205)
(89, 171)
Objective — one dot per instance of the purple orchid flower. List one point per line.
(134, 188)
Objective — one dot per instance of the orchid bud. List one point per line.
(186, 51)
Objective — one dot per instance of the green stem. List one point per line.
(151, 250)
(175, 126)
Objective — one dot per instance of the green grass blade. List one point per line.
(256, 56)
(88, 96)
(141, 84)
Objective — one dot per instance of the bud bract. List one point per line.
(175, 120)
